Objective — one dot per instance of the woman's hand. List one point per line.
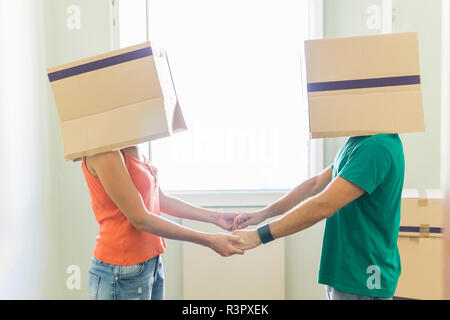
(224, 244)
(225, 220)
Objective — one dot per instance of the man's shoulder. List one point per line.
(389, 145)
(385, 141)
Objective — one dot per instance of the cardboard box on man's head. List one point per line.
(364, 85)
(114, 100)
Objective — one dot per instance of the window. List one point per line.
(132, 22)
(237, 71)
(132, 29)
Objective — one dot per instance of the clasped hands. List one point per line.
(240, 240)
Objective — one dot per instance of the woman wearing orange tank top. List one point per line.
(127, 202)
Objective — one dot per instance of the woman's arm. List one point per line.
(111, 170)
(178, 208)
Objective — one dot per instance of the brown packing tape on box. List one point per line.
(115, 100)
(364, 85)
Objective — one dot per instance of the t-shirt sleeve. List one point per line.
(368, 166)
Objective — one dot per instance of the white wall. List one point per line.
(72, 226)
(24, 191)
(422, 150)
(46, 223)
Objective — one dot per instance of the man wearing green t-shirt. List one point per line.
(359, 195)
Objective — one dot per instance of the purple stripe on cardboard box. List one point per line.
(100, 64)
(364, 83)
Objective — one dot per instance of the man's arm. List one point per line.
(177, 208)
(337, 195)
(300, 193)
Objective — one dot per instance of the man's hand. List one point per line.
(225, 220)
(250, 239)
(225, 244)
(244, 220)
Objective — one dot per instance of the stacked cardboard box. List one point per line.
(421, 245)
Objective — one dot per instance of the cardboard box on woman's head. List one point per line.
(364, 85)
(114, 100)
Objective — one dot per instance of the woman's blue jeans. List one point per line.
(142, 281)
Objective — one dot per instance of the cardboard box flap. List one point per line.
(178, 123)
(176, 117)
(114, 129)
(368, 111)
(385, 58)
